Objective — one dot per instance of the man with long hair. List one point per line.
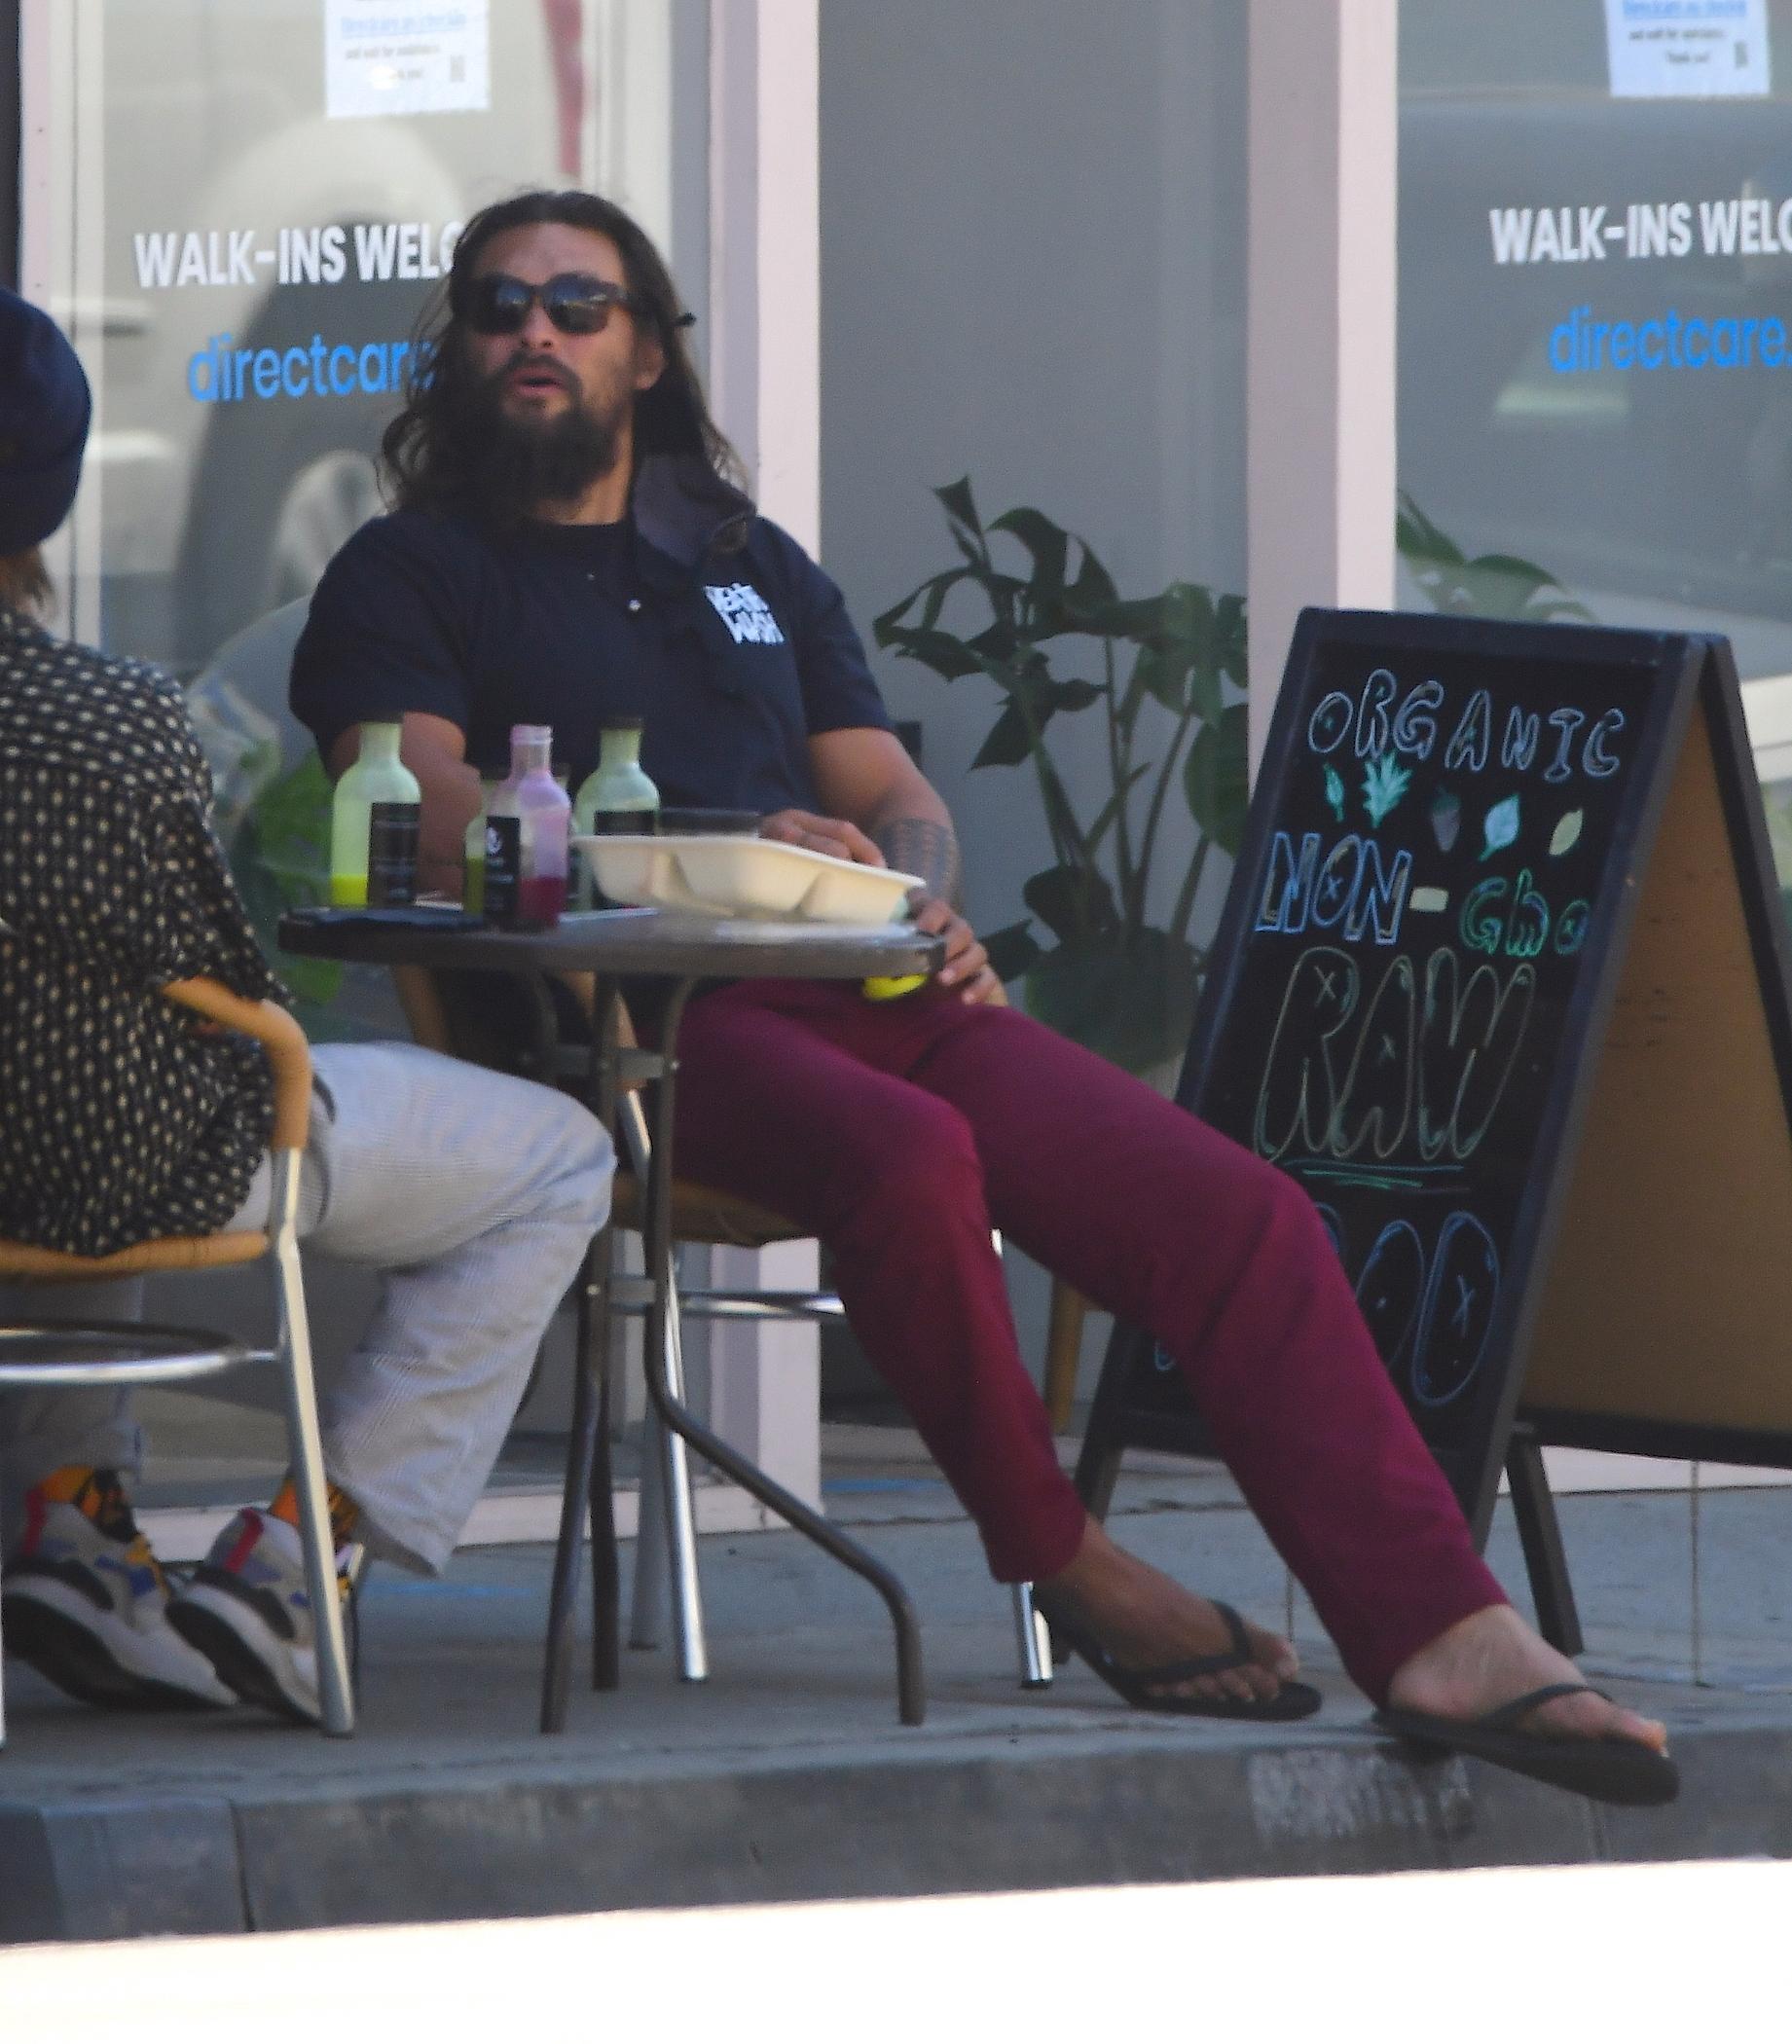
(474, 1194)
(572, 544)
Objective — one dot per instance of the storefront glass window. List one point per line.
(1596, 317)
(240, 208)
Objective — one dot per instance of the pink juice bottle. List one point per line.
(527, 821)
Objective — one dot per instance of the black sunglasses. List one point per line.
(576, 303)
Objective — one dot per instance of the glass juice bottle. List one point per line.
(617, 798)
(473, 854)
(374, 821)
(526, 827)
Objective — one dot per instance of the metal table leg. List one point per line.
(590, 1412)
(665, 1458)
(682, 1423)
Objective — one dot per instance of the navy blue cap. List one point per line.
(45, 406)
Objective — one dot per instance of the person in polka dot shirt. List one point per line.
(125, 1120)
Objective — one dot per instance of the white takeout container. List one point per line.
(745, 876)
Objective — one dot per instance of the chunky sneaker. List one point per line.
(247, 1610)
(84, 1601)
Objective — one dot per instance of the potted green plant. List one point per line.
(1042, 622)
(1045, 626)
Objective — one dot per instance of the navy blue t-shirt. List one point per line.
(734, 657)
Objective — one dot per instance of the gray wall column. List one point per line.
(1320, 429)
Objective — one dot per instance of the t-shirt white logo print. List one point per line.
(743, 610)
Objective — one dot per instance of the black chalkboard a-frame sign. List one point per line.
(1502, 980)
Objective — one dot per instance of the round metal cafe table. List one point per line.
(672, 954)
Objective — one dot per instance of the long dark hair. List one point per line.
(25, 582)
(421, 452)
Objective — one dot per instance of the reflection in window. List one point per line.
(245, 205)
(1659, 490)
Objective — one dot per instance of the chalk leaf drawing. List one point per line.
(1446, 819)
(1384, 781)
(1334, 791)
(1501, 827)
(1568, 833)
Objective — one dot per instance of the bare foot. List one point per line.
(1491, 1657)
(1145, 1618)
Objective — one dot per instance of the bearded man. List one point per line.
(572, 546)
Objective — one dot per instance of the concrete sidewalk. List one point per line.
(787, 1776)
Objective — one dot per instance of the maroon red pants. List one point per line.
(901, 1132)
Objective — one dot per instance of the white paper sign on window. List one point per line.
(382, 57)
(1688, 49)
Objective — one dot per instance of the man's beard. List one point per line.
(512, 467)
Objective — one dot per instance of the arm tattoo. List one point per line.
(918, 845)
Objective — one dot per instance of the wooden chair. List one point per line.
(40, 1356)
(1064, 1326)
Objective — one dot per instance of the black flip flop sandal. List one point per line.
(1145, 1689)
(1609, 1769)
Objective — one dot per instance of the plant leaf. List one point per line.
(1189, 620)
(1110, 810)
(1215, 777)
(1071, 904)
(1205, 694)
(930, 595)
(996, 642)
(1074, 693)
(1138, 618)
(1092, 594)
(1047, 543)
(949, 657)
(1009, 741)
(281, 859)
(1162, 675)
(1416, 537)
(961, 506)
(1131, 1004)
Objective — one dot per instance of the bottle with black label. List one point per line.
(527, 819)
(374, 819)
(618, 799)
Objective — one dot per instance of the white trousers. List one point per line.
(475, 1194)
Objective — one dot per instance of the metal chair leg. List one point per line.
(605, 1562)
(1035, 1637)
(333, 1687)
(1032, 1633)
(681, 1511)
(574, 1516)
(652, 1537)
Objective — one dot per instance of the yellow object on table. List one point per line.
(893, 989)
